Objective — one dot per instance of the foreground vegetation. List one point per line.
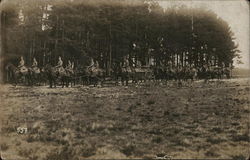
(203, 121)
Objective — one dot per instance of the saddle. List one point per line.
(69, 70)
(60, 70)
(23, 69)
(36, 70)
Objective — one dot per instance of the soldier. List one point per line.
(72, 65)
(21, 66)
(193, 71)
(91, 66)
(139, 64)
(69, 67)
(126, 64)
(97, 64)
(59, 66)
(21, 62)
(34, 66)
(92, 63)
(59, 63)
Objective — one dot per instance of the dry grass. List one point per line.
(74, 123)
(4, 146)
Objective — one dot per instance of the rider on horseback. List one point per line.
(59, 66)
(34, 66)
(21, 65)
(21, 62)
(125, 65)
(69, 67)
(91, 67)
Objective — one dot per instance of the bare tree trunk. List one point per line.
(110, 50)
(2, 43)
(56, 41)
(63, 37)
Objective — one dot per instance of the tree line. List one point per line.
(108, 30)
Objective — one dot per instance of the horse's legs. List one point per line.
(15, 80)
(127, 79)
(50, 83)
(54, 81)
(122, 79)
(74, 81)
(71, 82)
(116, 80)
(68, 82)
(62, 82)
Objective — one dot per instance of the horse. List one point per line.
(90, 75)
(226, 72)
(123, 73)
(190, 74)
(53, 74)
(81, 73)
(159, 73)
(204, 73)
(96, 75)
(216, 73)
(16, 75)
(142, 74)
(170, 74)
(71, 76)
(35, 75)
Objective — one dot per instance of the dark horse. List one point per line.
(15, 76)
(71, 76)
(36, 75)
(121, 73)
(90, 75)
(54, 75)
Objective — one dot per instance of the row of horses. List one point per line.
(95, 75)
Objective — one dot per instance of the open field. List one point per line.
(203, 121)
(241, 72)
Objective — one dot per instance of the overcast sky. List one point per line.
(235, 12)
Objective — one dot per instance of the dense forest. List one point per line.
(108, 30)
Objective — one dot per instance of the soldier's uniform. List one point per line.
(21, 66)
(69, 67)
(59, 66)
(91, 66)
(126, 65)
(34, 66)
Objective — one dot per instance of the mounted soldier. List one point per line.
(72, 65)
(21, 66)
(34, 67)
(69, 67)
(125, 66)
(91, 66)
(59, 66)
(192, 72)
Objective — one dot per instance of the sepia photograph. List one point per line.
(124, 79)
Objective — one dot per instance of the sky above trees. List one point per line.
(234, 12)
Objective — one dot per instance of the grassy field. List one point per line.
(203, 121)
(240, 72)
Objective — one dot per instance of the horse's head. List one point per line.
(10, 67)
